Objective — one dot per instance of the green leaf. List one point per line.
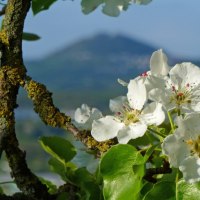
(57, 167)
(113, 8)
(63, 196)
(162, 190)
(1, 190)
(59, 148)
(87, 183)
(142, 2)
(122, 169)
(63, 170)
(51, 187)
(144, 140)
(90, 5)
(188, 191)
(30, 36)
(41, 5)
(149, 152)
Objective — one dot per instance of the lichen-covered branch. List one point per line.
(43, 104)
(151, 172)
(12, 72)
(50, 115)
(13, 23)
(12, 75)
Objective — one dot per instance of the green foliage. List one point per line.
(51, 187)
(63, 196)
(162, 190)
(90, 5)
(89, 189)
(188, 191)
(109, 7)
(168, 190)
(38, 5)
(120, 174)
(1, 190)
(30, 36)
(122, 168)
(59, 148)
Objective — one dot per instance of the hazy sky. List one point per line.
(169, 24)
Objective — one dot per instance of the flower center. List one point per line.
(129, 116)
(181, 96)
(144, 74)
(194, 146)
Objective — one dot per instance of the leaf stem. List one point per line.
(171, 121)
(156, 132)
(177, 179)
(6, 182)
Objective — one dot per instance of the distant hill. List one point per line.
(91, 66)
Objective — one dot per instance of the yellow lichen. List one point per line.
(4, 38)
(43, 105)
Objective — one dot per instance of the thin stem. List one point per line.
(150, 140)
(7, 182)
(156, 132)
(177, 179)
(171, 121)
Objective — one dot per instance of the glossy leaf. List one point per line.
(59, 148)
(142, 2)
(110, 7)
(30, 36)
(87, 183)
(162, 190)
(51, 187)
(41, 5)
(57, 167)
(122, 169)
(115, 7)
(90, 5)
(1, 190)
(63, 196)
(188, 191)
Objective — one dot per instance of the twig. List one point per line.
(160, 170)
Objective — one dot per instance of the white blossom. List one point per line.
(159, 69)
(181, 90)
(157, 74)
(131, 118)
(84, 116)
(183, 147)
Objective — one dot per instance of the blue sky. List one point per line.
(169, 24)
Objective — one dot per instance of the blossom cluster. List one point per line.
(164, 94)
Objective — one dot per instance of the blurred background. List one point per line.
(79, 58)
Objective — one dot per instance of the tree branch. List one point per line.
(11, 74)
(155, 171)
(50, 115)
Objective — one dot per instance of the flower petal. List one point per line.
(84, 117)
(137, 94)
(105, 128)
(189, 126)
(175, 149)
(82, 114)
(117, 104)
(158, 63)
(190, 168)
(153, 114)
(131, 132)
(162, 97)
(184, 73)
